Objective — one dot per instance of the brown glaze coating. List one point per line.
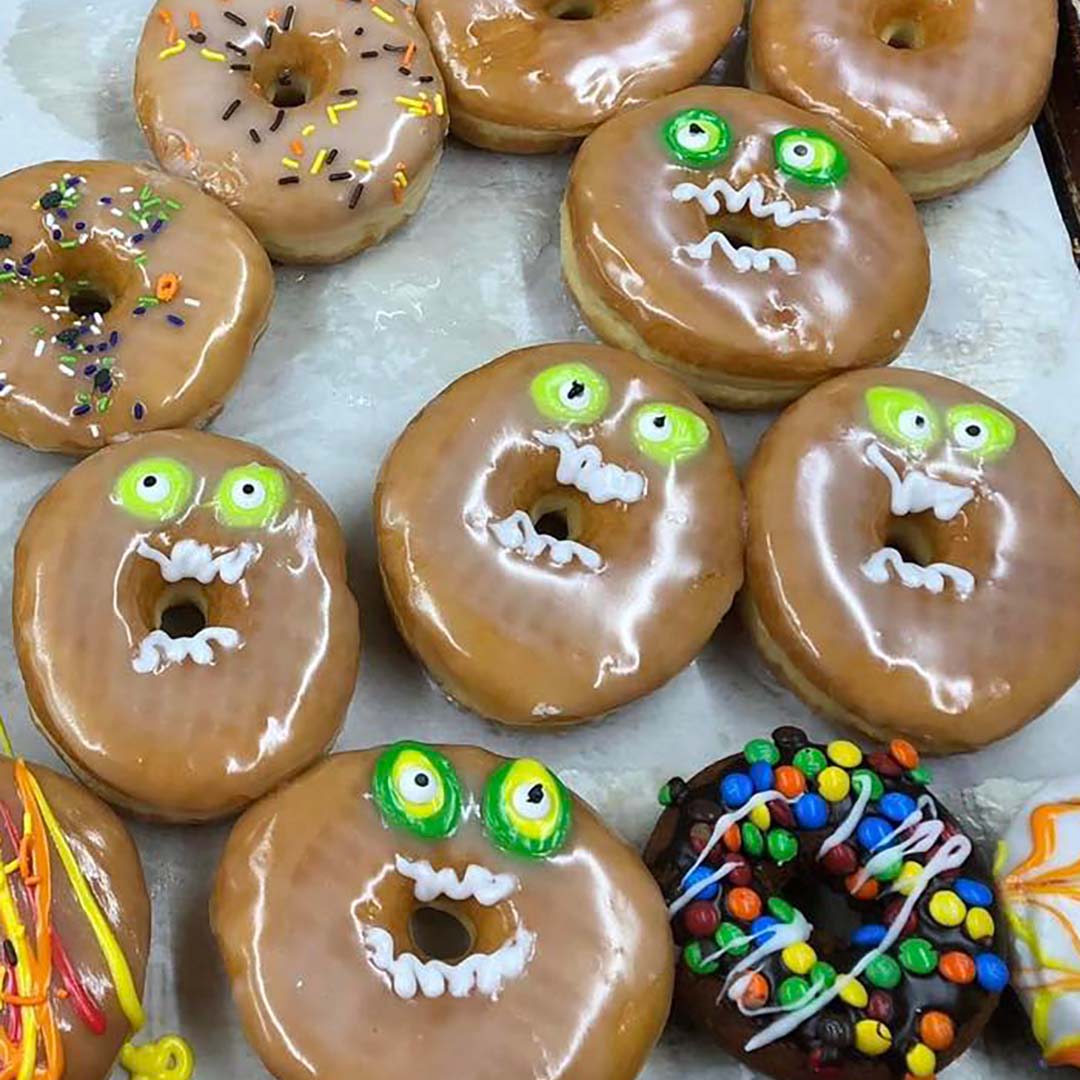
(949, 100)
(532, 76)
(179, 737)
(750, 337)
(110, 864)
(290, 116)
(491, 623)
(311, 868)
(949, 670)
(105, 234)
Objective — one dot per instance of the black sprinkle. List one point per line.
(404, 71)
(10, 955)
(348, 91)
(336, 176)
(239, 67)
(331, 156)
(233, 106)
(369, 55)
(395, 48)
(50, 200)
(354, 198)
(283, 180)
(426, 78)
(255, 138)
(236, 48)
(233, 17)
(139, 411)
(290, 12)
(198, 37)
(5, 241)
(278, 120)
(268, 37)
(359, 31)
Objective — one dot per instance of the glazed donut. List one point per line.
(910, 542)
(753, 843)
(183, 623)
(757, 252)
(129, 301)
(559, 479)
(476, 916)
(320, 123)
(534, 76)
(940, 91)
(1038, 880)
(75, 923)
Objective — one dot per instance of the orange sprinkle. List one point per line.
(166, 287)
(61, 993)
(756, 993)
(297, 147)
(903, 752)
(173, 34)
(196, 22)
(410, 52)
(868, 890)
(165, 16)
(789, 781)
(733, 838)
(937, 1030)
(744, 904)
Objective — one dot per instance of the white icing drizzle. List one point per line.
(518, 533)
(924, 836)
(584, 468)
(855, 815)
(157, 650)
(197, 561)
(477, 883)
(777, 938)
(742, 258)
(751, 196)
(932, 577)
(698, 887)
(952, 855)
(483, 972)
(917, 491)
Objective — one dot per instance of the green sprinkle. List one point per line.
(69, 244)
(172, 204)
(69, 361)
(83, 398)
(103, 404)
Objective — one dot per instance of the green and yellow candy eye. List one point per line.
(980, 430)
(250, 496)
(669, 433)
(903, 416)
(810, 156)
(155, 489)
(697, 137)
(572, 392)
(527, 810)
(415, 788)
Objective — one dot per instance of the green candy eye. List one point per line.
(155, 489)
(903, 416)
(810, 156)
(250, 496)
(669, 433)
(980, 430)
(697, 137)
(527, 810)
(415, 788)
(571, 392)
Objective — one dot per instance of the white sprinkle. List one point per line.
(70, 372)
(126, 190)
(116, 212)
(95, 431)
(6, 389)
(39, 348)
(192, 303)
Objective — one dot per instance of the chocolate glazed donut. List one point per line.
(766, 855)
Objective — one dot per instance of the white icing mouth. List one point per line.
(584, 468)
(917, 492)
(932, 578)
(478, 883)
(518, 533)
(157, 650)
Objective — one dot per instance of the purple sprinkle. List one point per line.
(175, 320)
(106, 386)
(89, 369)
(24, 271)
(138, 238)
(114, 339)
(80, 225)
(80, 410)
(57, 234)
(156, 227)
(75, 181)
(139, 311)
(29, 258)
(62, 214)
(138, 410)
(103, 347)
(105, 200)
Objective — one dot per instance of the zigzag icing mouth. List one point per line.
(478, 883)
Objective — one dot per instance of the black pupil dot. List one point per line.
(577, 389)
(248, 488)
(149, 481)
(422, 779)
(659, 422)
(920, 421)
(536, 794)
(802, 149)
(973, 430)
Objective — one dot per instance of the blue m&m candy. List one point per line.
(736, 790)
(811, 812)
(973, 893)
(869, 936)
(897, 806)
(761, 929)
(710, 892)
(992, 972)
(761, 775)
(872, 832)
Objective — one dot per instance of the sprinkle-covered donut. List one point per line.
(941, 91)
(462, 915)
(129, 301)
(910, 543)
(1038, 879)
(534, 76)
(758, 251)
(183, 623)
(319, 122)
(566, 508)
(765, 855)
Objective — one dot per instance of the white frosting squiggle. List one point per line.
(157, 650)
(698, 887)
(197, 561)
(777, 938)
(932, 577)
(584, 468)
(917, 492)
(752, 196)
(742, 258)
(855, 815)
(518, 533)
(477, 883)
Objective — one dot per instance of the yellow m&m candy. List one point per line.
(853, 993)
(761, 817)
(946, 908)
(979, 924)
(872, 1038)
(905, 882)
(921, 1060)
(834, 784)
(799, 958)
(844, 753)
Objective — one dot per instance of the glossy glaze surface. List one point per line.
(320, 123)
(655, 574)
(563, 68)
(107, 858)
(1038, 871)
(250, 699)
(953, 663)
(317, 860)
(977, 76)
(855, 271)
(74, 381)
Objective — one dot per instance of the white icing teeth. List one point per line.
(917, 492)
(518, 533)
(584, 468)
(743, 258)
(477, 883)
(158, 651)
(192, 560)
(932, 578)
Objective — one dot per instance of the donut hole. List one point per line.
(438, 933)
(740, 230)
(573, 10)
(904, 34)
(914, 537)
(181, 610)
(296, 70)
(912, 25)
(557, 515)
(87, 299)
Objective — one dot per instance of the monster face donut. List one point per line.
(320, 123)
(941, 91)
(1038, 879)
(129, 301)
(183, 623)
(426, 911)
(754, 845)
(757, 251)
(532, 76)
(559, 533)
(910, 545)
(75, 923)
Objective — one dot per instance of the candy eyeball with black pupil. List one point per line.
(810, 156)
(571, 393)
(527, 810)
(903, 417)
(533, 802)
(669, 433)
(416, 788)
(697, 137)
(155, 489)
(980, 430)
(250, 496)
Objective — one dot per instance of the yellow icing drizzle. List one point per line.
(170, 1058)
